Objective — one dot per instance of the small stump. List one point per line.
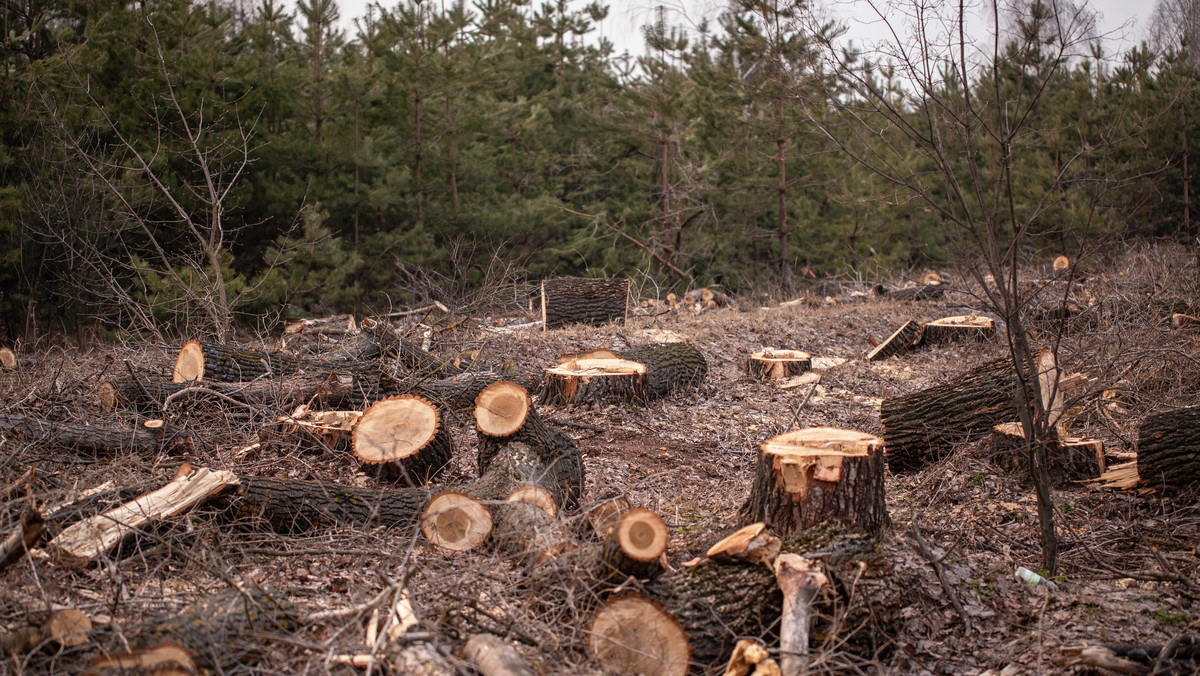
(1067, 458)
(806, 477)
(778, 364)
(584, 380)
(402, 439)
(959, 328)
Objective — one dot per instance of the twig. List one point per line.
(138, 381)
(204, 390)
(923, 548)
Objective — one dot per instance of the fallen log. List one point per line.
(148, 395)
(86, 540)
(670, 367)
(402, 439)
(772, 364)
(65, 628)
(902, 339)
(224, 363)
(922, 292)
(227, 629)
(337, 325)
(583, 300)
(800, 580)
(922, 427)
(806, 477)
(1168, 448)
(293, 507)
(8, 359)
(149, 437)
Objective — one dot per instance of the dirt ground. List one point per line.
(1129, 565)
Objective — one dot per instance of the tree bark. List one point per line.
(670, 367)
(904, 338)
(220, 630)
(290, 507)
(148, 395)
(223, 363)
(1168, 448)
(777, 364)
(583, 300)
(558, 458)
(148, 437)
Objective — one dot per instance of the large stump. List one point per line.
(1168, 448)
(902, 339)
(403, 439)
(224, 363)
(581, 381)
(808, 476)
(922, 427)
(958, 328)
(1067, 458)
(583, 300)
(777, 364)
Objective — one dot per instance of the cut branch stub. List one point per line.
(959, 328)
(501, 409)
(806, 477)
(402, 437)
(592, 380)
(778, 364)
(456, 522)
(632, 634)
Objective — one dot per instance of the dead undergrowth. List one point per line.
(1130, 567)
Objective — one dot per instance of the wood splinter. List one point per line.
(800, 580)
(67, 628)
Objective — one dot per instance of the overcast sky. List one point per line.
(1122, 22)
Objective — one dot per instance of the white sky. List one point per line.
(1122, 22)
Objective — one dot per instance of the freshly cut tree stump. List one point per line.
(632, 634)
(1168, 448)
(8, 360)
(922, 427)
(959, 328)
(809, 476)
(670, 367)
(149, 437)
(583, 300)
(1068, 458)
(402, 439)
(904, 338)
(65, 628)
(558, 459)
(581, 381)
(291, 507)
(223, 363)
(147, 395)
(224, 630)
(778, 364)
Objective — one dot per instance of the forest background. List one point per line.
(182, 166)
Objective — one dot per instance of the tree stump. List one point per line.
(402, 439)
(583, 300)
(904, 338)
(591, 380)
(777, 364)
(922, 427)
(632, 634)
(223, 363)
(1168, 448)
(956, 329)
(1068, 458)
(809, 476)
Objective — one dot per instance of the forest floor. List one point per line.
(1129, 565)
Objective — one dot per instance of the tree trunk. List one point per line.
(289, 507)
(223, 363)
(559, 461)
(585, 381)
(670, 367)
(224, 630)
(1067, 458)
(148, 395)
(583, 300)
(807, 477)
(922, 427)
(149, 437)
(1168, 448)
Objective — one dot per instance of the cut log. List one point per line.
(149, 437)
(166, 659)
(459, 392)
(922, 292)
(494, 657)
(29, 529)
(583, 300)
(1061, 263)
(65, 628)
(501, 409)
(291, 507)
(223, 363)
(456, 522)
(91, 538)
(809, 476)
(922, 427)
(632, 634)
(670, 367)
(800, 580)
(8, 360)
(224, 630)
(957, 329)
(402, 439)
(777, 364)
(605, 516)
(1168, 448)
(1068, 458)
(337, 325)
(635, 548)
(904, 338)
(592, 380)
(149, 395)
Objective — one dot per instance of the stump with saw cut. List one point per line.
(403, 439)
(809, 476)
(957, 329)
(1067, 458)
(777, 364)
(583, 300)
(580, 381)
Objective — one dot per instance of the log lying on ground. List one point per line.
(922, 292)
(223, 363)
(458, 392)
(64, 629)
(1067, 458)
(292, 507)
(958, 329)
(149, 437)
(337, 325)
(904, 338)
(632, 634)
(1168, 448)
(228, 628)
(670, 367)
(922, 427)
(402, 439)
(809, 476)
(29, 529)
(85, 541)
(583, 300)
(145, 395)
(773, 364)
(556, 452)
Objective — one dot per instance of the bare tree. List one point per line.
(1175, 24)
(961, 134)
